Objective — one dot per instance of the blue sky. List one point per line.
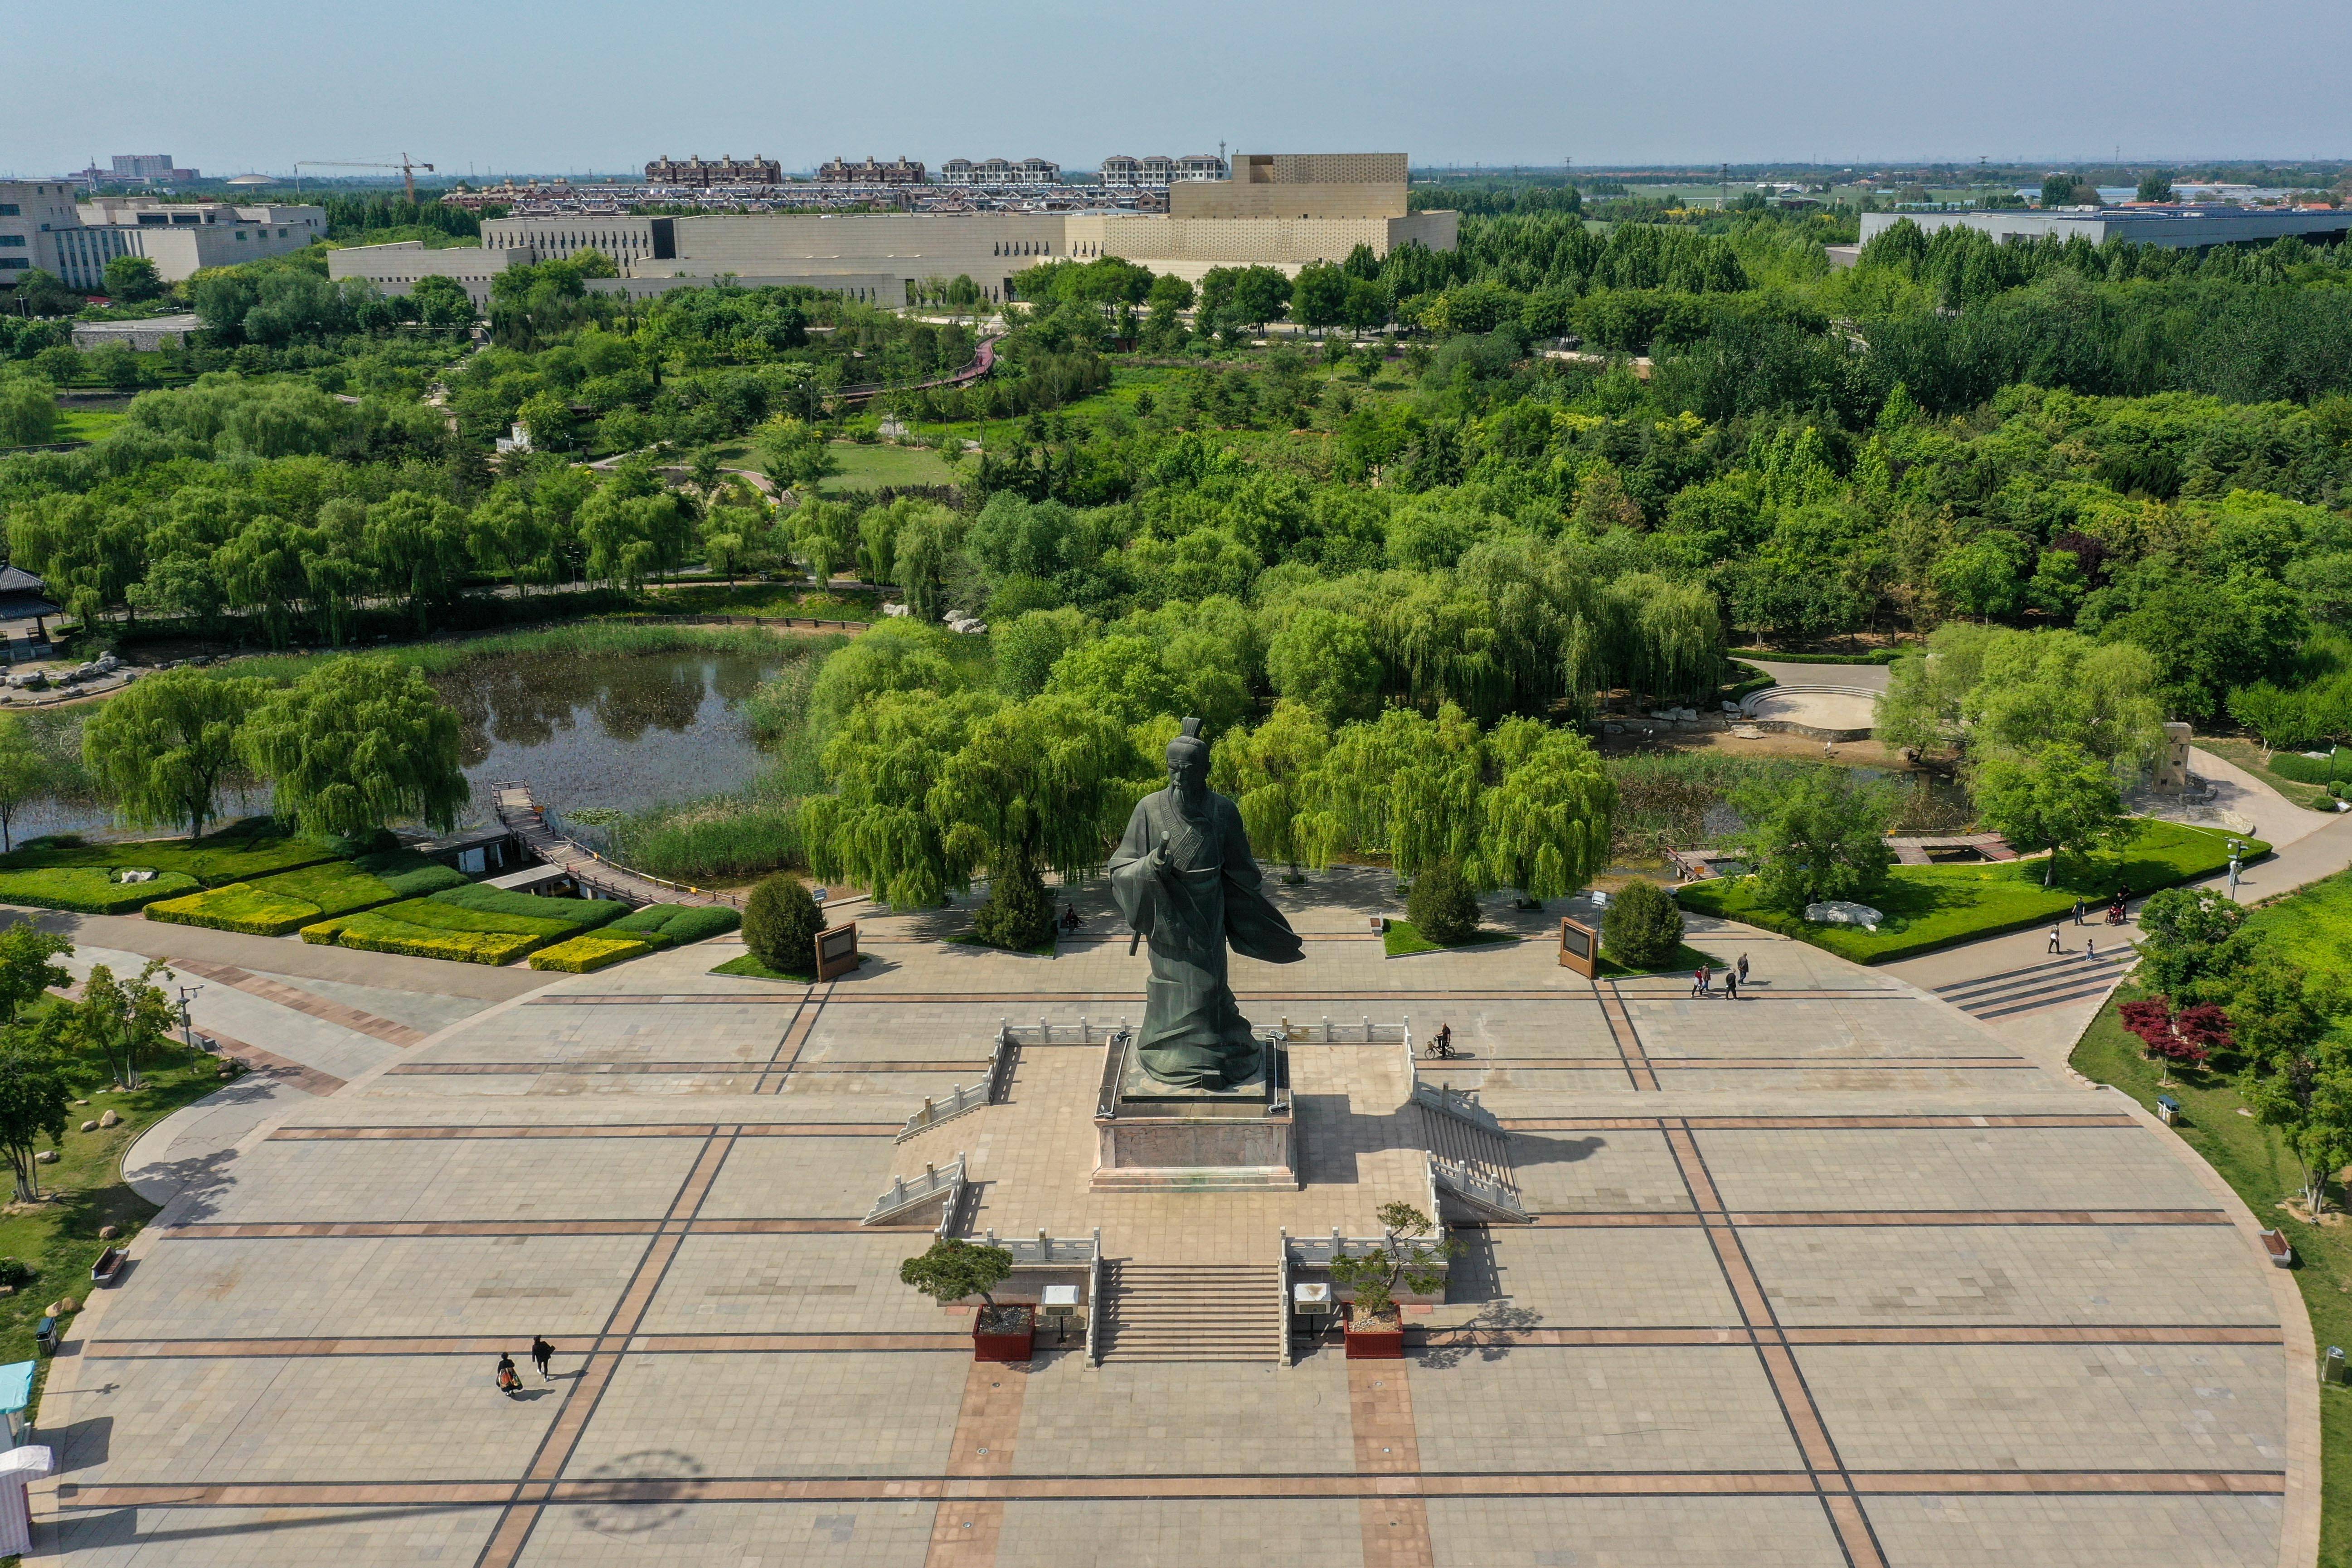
(234, 85)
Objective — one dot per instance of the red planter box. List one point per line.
(994, 1337)
(1375, 1342)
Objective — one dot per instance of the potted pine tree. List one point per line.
(1375, 1326)
(954, 1269)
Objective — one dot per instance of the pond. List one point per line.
(629, 732)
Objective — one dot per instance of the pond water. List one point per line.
(628, 731)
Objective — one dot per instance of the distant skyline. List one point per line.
(494, 86)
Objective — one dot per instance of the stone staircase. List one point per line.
(1156, 1311)
(1470, 1156)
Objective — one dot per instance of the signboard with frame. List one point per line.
(836, 951)
(1579, 948)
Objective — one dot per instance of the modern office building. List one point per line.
(2184, 228)
(1279, 210)
(41, 226)
(752, 171)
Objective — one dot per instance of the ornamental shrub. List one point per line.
(779, 924)
(1442, 906)
(1643, 927)
(1016, 913)
(585, 955)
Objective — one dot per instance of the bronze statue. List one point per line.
(1184, 879)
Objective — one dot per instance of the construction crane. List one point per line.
(408, 171)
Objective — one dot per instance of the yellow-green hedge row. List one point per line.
(584, 955)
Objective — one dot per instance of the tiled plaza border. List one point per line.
(965, 1529)
(845, 993)
(285, 995)
(269, 1064)
(787, 1054)
(1808, 1123)
(585, 1129)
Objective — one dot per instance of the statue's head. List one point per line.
(1188, 763)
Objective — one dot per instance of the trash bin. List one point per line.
(2332, 1370)
(46, 1334)
(2168, 1109)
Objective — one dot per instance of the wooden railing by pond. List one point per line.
(519, 813)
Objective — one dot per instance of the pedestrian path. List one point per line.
(2052, 984)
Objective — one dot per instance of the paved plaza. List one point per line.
(1833, 1275)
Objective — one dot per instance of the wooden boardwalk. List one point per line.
(520, 814)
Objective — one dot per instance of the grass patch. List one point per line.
(466, 925)
(1403, 938)
(88, 891)
(1686, 959)
(59, 1238)
(776, 601)
(236, 854)
(2312, 927)
(279, 905)
(2252, 1159)
(1046, 949)
(1930, 907)
(87, 424)
(750, 968)
(585, 955)
(587, 639)
(872, 467)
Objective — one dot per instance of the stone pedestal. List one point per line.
(1150, 1137)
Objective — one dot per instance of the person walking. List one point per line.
(541, 1353)
(1699, 982)
(508, 1382)
(1731, 985)
(2055, 946)
(1743, 969)
(2078, 911)
(2091, 950)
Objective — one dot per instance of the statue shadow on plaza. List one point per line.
(1333, 1134)
(1536, 1149)
(1476, 1275)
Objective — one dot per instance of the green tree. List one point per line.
(825, 534)
(955, 1269)
(795, 457)
(356, 743)
(876, 830)
(1270, 772)
(1643, 926)
(26, 972)
(2056, 798)
(441, 303)
(928, 560)
(164, 748)
(2064, 191)
(36, 1090)
(1545, 827)
(2191, 944)
(1442, 907)
(1326, 660)
(2156, 186)
(132, 278)
(1822, 837)
(1402, 1254)
(1028, 647)
(780, 921)
(2298, 1080)
(2279, 719)
(1318, 295)
(1407, 784)
(28, 410)
(417, 545)
(27, 773)
(125, 1021)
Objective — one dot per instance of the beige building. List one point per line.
(1281, 210)
(41, 227)
(394, 268)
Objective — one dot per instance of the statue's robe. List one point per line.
(1210, 895)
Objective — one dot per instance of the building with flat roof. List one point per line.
(395, 268)
(897, 172)
(1158, 171)
(41, 226)
(1000, 172)
(2183, 227)
(1280, 210)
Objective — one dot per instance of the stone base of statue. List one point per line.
(1156, 1137)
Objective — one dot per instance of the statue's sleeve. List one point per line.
(1252, 925)
(1133, 885)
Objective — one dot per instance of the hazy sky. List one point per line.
(238, 85)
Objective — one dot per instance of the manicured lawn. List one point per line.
(59, 1238)
(750, 968)
(89, 890)
(865, 467)
(2249, 756)
(2313, 926)
(233, 854)
(586, 954)
(467, 925)
(676, 925)
(1403, 939)
(1685, 960)
(2250, 1157)
(276, 906)
(86, 424)
(1933, 906)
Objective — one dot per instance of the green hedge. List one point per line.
(584, 955)
(275, 906)
(676, 925)
(235, 854)
(89, 890)
(580, 914)
(1876, 655)
(376, 932)
(471, 924)
(2334, 768)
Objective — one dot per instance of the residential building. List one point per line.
(897, 172)
(1000, 172)
(752, 171)
(1157, 171)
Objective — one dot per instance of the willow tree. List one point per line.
(1405, 783)
(1675, 633)
(1270, 772)
(876, 830)
(358, 743)
(1038, 785)
(164, 749)
(1544, 824)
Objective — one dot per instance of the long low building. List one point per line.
(2180, 227)
(43, 228)
(1280, 210)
